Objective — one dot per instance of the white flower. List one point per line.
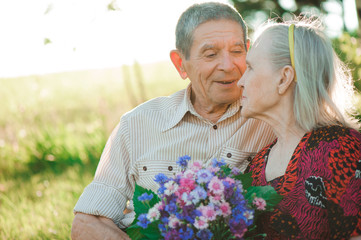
(153, 214)
(187, 198)
(171, 187)
(173, 221)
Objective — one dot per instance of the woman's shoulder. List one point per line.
(333, 134)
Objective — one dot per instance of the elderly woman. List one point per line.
(295, 82)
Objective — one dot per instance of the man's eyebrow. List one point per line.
(238, 44)
(206, 47)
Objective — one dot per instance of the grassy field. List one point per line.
(52, 131)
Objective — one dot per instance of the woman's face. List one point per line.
(259, 82)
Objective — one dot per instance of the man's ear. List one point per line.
(177, 60)
(287, 78)
(248, 44)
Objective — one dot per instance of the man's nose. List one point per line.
(226, 63)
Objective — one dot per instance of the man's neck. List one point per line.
(211, 112)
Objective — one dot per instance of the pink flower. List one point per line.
(201, 223)
(195, 166)
(208, 212)
(229, 180)
(216, 186)
(189, 174)
(225, 209)
(213, 169)
(187, 183)
(240, 235)
(260, 203)
(216, 198)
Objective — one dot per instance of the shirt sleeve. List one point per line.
(113, 185)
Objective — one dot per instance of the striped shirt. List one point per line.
(149, 139)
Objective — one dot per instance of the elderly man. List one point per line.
(202, 121)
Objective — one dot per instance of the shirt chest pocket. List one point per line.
(237, 158)
(148, 169)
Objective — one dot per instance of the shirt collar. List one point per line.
(187, 106)
(181, 110)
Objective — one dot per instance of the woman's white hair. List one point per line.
(324, 89)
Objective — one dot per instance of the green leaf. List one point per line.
(140, 207)
(226, 169)
(268, 193)
(152, 231)
(135, 232)
(246, 179)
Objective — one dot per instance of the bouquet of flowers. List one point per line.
(200, 202)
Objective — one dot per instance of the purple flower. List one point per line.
(204, 176)
(235, 171)
(189, 213)
(183, 161)
(145, 197)
(143, 221)
(238, 228)
(205, 234)
(172, 235)
(228, 190)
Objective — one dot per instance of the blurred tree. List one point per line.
(358, 8)
(257, 11)
(348, 49)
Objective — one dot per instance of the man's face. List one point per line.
(216, 63)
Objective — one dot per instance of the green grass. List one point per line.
(52, 131)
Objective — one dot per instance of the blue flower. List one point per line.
(161, 190)
(143, 220)
(198, 194)
(161, 178)
(237, 197)
(204, 176)
(183, 161)
(186, 234)
(216, 163)
(145, 197)
(204, 234)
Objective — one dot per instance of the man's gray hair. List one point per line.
(324, 89)
(201, 13)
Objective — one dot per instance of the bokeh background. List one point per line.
(69, 69)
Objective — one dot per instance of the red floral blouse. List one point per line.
(321, 188)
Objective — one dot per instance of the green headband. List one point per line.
(291, 44)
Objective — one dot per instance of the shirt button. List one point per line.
(145, 168)
(249, 159)
(215, 127)
(229, 155)
(170, 168)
